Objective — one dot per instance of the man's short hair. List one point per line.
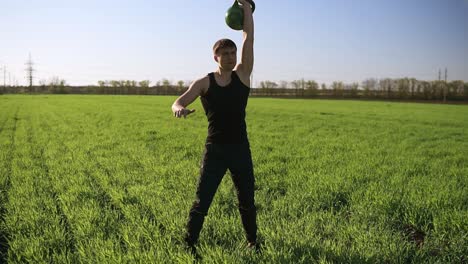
(223, 43)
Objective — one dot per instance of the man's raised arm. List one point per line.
(247, 57)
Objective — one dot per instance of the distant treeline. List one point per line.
(398, 89)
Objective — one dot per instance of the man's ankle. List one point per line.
(254, 246)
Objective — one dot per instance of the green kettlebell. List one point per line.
(235, 15)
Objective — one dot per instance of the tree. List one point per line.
(426, 89)
(144, 86)
(354, 89)
(144, 83)
(369, 85)
(283, 84)
(57, 85)
(337, 88)
(166, 83)
(298, 87)
(403, 88)
(101, 86)
(386, 87)
(101, 83)
(296, 84)
(268, 84)
(455, 89)
(311, 87)
(413, 85)
(180, 84)
(42, 82)
(116, 87)
(417, 89)
(465, 90)
(437, 89)
(133, 87)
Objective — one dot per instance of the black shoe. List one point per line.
(254, 246)
(190, 248)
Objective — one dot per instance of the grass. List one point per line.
(110, 179)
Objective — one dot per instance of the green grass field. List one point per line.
(110, 179)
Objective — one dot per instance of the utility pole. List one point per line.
(445, 74)
(445, 86)
(4, 76)
(303, 87)
(439, 74)
(29, 71)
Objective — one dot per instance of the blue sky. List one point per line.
(324, 40)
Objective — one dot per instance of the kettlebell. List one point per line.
(235, 15)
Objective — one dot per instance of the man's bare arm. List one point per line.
(196, 89)
(247, 57)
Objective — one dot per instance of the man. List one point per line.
(224, 95)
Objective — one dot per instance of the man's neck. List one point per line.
(223, 74)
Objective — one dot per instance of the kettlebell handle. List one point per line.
(252, 4)
(235, 15)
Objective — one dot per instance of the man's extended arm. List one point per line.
(196, 89)
(247, 57)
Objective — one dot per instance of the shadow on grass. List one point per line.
(301, 253)
(280, 251)
(4, 238)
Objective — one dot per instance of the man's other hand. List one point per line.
(183, 112)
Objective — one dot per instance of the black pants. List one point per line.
(217, 158)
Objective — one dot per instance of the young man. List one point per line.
(224, 95)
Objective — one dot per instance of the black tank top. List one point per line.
(225, 109)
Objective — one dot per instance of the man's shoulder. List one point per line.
(202, 83)
(205, 78)
(243, 77)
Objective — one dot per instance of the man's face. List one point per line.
(226, 58)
